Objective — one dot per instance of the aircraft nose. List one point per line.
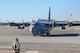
(31, 28)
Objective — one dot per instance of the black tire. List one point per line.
(19, 27)
(47, 34)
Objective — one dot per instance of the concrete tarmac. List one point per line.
(60, 41)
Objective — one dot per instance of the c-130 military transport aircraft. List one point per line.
(43, 27)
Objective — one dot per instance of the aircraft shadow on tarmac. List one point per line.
(62, 35)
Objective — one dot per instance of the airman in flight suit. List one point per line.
(16, 46)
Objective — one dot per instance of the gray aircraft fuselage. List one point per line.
(39, 27)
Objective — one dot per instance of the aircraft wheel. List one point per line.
(34, 34)
(21, 27)
(47, 34)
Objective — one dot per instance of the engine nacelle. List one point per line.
(12, 24)
(63, 27)
(21, 27)
(70, 24)
(52, 25)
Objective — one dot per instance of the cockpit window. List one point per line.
(34, 22)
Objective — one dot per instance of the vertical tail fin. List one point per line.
(49, 16)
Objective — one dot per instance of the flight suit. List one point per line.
(16, 46)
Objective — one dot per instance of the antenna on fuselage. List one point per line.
(49, 16)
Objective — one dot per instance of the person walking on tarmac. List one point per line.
(16, 46)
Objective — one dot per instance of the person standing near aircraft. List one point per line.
(16, 46)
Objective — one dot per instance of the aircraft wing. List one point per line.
(3, 23)
(18, 24)
(64, 23)
(25, 24)
(53, 24)
(74, 23)
(60, 23)
(57, 23)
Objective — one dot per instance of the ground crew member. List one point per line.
(16, 46)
